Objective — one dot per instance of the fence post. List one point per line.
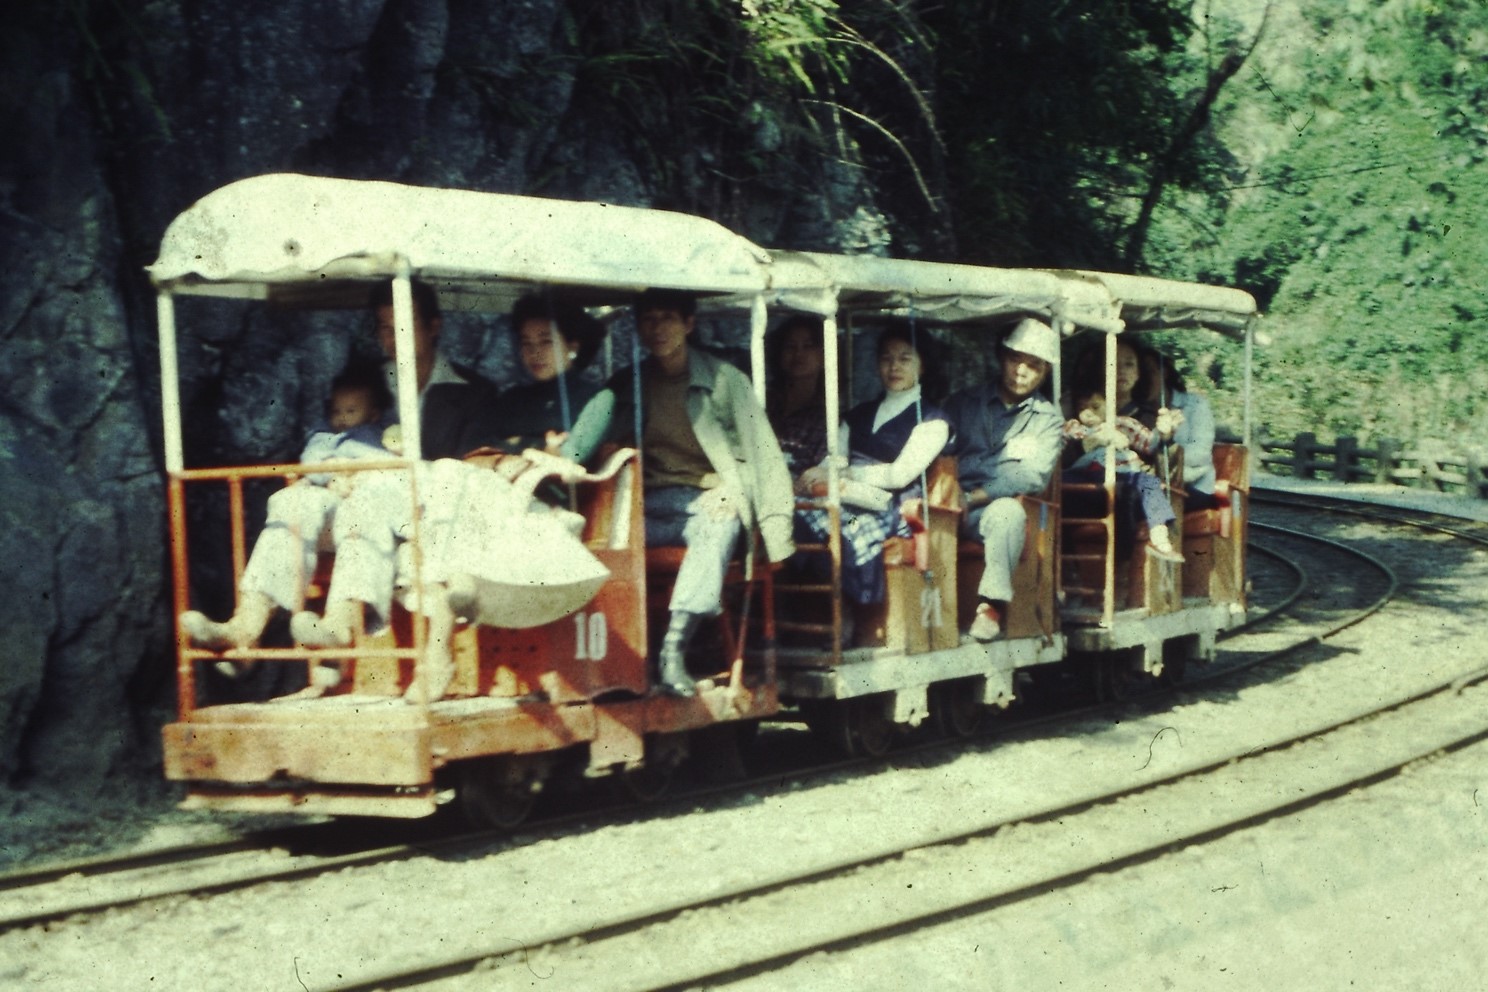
(1389, 453)
(1346, 460)
(1302, 463)
(1431, 470)
(1475, 473)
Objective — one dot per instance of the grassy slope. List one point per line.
(1359, 215)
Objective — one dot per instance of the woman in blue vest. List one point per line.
(889, 442)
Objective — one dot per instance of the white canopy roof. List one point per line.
(318, 241)
(949, 292)
(1148, 303)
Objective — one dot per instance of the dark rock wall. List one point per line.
(118, 115)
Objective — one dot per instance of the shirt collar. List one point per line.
(894, 404)
(701, 368)
(1002, 406)
(440, 372)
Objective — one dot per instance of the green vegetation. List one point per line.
(1360, 134)
(1012, 133)
(1329, 157)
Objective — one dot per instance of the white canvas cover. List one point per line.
(1149, 303)
(957, 293)
(285, 230)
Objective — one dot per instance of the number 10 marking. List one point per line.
(591, 636)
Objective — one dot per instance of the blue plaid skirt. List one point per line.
(863, 536)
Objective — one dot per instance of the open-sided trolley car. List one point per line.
(580, 695)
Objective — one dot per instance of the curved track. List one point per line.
(99, 884)
(597, 942)
(751, 913)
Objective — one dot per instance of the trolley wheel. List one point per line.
(827, 720)
(956, 708)
(498, 791)
(1176, 655)
(645, 783)
(856, 727)
(719, 751)
(650, 781)
(871, 728)
(1174, 671)
(1113, 678)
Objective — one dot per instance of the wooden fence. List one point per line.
(1421, 464)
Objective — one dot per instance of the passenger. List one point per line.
(890, 442)
(456, 408)
(1007, 439)
(711, 466)
(1130, 440)
(555, 341)
(299, 515)
(1194, 429)
(476, 529)
(454, 416)
(797, 398)
(1137, 396)
(357, 409)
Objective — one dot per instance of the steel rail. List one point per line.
(874, 919)
(841, 935)
(32, 910)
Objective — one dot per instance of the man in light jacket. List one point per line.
(1008, 440)
(711, 466)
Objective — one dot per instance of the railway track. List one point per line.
(1140, 820)
(95, 885)
(771, 923)
(597, 939)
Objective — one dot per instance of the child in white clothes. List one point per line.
(300, 515)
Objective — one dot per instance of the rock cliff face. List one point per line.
(122, 114)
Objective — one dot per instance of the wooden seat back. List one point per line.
(1097, 584)
(921, 570)
(1214, 539)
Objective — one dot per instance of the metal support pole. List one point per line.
(1108, 604)
(170, 383)
(758, 316)
(175, 463)
(1246, 426)
(408, 417)
(831, 367)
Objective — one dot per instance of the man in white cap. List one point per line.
(1007, 443)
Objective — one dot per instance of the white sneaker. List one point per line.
(1160, 546)
(985, 626)
(1164, 554)
(430, 683)
(205, 633)
(325, 676)
(313, 632)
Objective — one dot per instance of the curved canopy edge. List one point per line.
(294, 230)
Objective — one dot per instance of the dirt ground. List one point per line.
(1381, 888)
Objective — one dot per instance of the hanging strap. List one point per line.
(560, 358)
(1162, 404)
(922, 535)
(635, 386)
